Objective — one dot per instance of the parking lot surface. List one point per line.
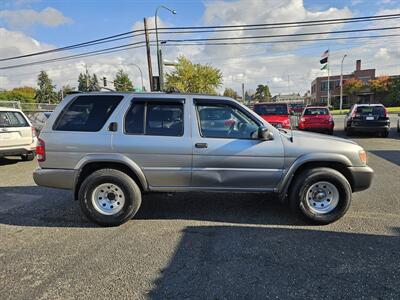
(201, 246)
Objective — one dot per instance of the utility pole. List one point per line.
(87, 78)
(244, 100)
(288, 84)
(329, 89)
(146, 34)
(341, 83)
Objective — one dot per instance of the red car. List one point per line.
(317, 119)
(277, 114)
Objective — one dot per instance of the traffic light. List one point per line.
(104, 81)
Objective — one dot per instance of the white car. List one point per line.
(17, 135)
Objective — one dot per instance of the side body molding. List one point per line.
(113, 158)
(308, 158)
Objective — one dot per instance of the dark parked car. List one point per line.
(367, 118)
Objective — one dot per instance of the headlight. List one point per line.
(363, 156)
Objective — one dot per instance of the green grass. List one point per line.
(391, 110)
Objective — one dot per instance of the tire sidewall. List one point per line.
(312, 176)
(125, 183)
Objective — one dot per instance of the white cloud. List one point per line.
(24, 18)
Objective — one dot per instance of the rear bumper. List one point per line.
(370, 127)
(16, 151)
(361, 177)
(55, 178)
(317, 129)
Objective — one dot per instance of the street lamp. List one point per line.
(141, 74)
(341, 83)
(160, 75)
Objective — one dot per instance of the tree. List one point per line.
(230, 93)
(393, 96)
(45, 93)
(88, 83)
(193, 78)
(262, 93)
(353, 86)
(122, 82)
(379, 85)
(23, 94)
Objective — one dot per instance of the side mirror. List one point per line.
(264, 134)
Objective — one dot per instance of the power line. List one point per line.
(282, 35)
(279, 41)
(121, 36)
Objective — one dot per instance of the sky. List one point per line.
(28, 26)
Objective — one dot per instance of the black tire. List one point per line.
(349, 132)
(330, 132)
(28, 156)
(301, 184)
(132, 194)
(385, 134)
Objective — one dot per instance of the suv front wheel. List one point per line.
(109, 197)
(321, 195)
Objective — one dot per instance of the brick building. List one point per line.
(319, 88)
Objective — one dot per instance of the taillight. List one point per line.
(386, 113)
(40, 150)
(302, 119)
(33, 131)
(330, 119)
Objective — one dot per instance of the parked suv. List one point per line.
(110, 148)
(371, 118)
(17, 135)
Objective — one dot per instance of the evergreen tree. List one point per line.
(45, 93)
(88, 83)
(122, 82)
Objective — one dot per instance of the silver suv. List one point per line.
(110, 148)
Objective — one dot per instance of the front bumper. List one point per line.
(55, 178)
(361, 178)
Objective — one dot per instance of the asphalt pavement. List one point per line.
(201, 246)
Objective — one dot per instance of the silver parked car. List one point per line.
(109, 148)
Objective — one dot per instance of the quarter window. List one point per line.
(87, 113)
(224, 121)
(163, 119)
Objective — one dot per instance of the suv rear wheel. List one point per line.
(109, 197)
(321, 195)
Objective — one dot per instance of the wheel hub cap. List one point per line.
(322, 197)
(108, 199)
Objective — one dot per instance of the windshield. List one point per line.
(271, 109)
(316, 111)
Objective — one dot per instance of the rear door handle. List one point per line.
(201, 145)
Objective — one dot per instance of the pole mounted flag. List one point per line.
(324, 60)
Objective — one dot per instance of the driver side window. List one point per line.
(224, 121)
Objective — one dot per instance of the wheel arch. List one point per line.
(337, 162)
(94, 162)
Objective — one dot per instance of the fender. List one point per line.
(114, 158)
(287, 176)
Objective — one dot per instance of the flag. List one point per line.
(324, 67)
(324, 60)
(325, 54)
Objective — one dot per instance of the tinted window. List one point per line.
(134, 120)
(271, 109)
(370, 110)
(164, 119)
(87, 113)
(12, 119)
(219, 121)
(316, 111)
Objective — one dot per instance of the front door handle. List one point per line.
(201, 145)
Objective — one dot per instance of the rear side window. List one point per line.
(12, 119)
(87, 113)
(163, 119)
